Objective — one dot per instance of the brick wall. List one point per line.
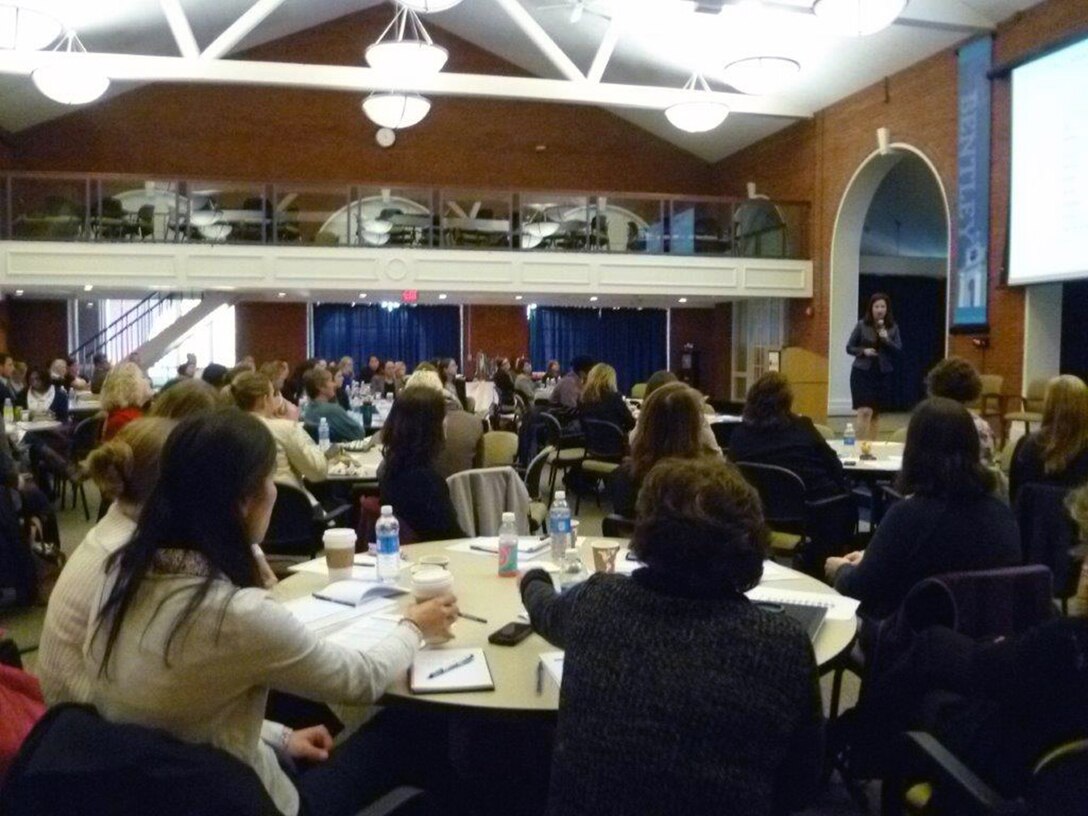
(282, 134)
(710, 332)
(816, 160)
(35, 331)
(271, 331)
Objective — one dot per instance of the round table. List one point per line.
(481, 592)
(888, 458)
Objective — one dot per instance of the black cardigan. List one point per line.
(677, 702)
(611, 408)
(797, 446)
(1027, 466)
(421, 499)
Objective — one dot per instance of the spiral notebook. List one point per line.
(435, 671)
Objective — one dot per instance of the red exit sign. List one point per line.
(410, 296)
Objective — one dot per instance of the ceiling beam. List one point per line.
(237, 31)
(604, 52)
(355, 79)
(531, 28)
(179, 25)
(941, 15)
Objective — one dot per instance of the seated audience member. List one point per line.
(185, 398)
(384, 383)
(294, 387)
(664, 377)
(18, 377)
(504, 382)
(463, 431)
(412, 439)
(679, 694)
(568, 390)
(43, 395)
(101, 369)
(297, 455)
(1056, 454)
(125, 392)
(186, 371)
(523, 382)
(187, 640)
(601, 399)
(658, 379)
(215, 375)
(346, 366)
(956, 379)
(321, 389)
(73, 377)
(771, 434)
(373, 368)
(670, 425)
(400, 374)
(125, 470)
(552, 373)
(282, 408)
(949, 521)
(447, 372)
(9, 390)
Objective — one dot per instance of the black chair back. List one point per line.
(616, 526)
(604, 441)
(1048, 534)
(782, 493)
(85, 437)
(292, 529)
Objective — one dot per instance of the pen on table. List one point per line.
(540, 677)
(443, 669)
(334, 600)
(467, 616)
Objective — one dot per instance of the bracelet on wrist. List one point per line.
(285, 738)
(413, 626)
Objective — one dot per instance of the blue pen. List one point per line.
(443, 669)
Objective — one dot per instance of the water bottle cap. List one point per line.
(387, 509)
(560, 494)
(507, 517)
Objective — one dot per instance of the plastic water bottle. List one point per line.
(387, 531)
(508, 546)
(849, 439)
(323, 435)
(571, 569)
(9, 412)
(559, 525)
(303, 404)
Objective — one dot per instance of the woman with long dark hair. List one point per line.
(187, 641)
(412, 438)
(949, 522)
(875, 344)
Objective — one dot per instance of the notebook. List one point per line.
(467, 670)
(551, 664)
(355, 593)
(809, 616)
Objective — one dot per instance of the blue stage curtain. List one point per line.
(918, 304)
(1074, 352)
(409, 333)
(630, 340)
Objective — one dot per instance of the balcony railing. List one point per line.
(108, 209)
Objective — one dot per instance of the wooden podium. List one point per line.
(808, 376)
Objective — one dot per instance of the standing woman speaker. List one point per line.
(875, 346)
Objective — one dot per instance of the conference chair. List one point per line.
(638, 391)
(74, 761)
(605, 447)
(538, 510)
(567, 449)
(899, 435)
(932, 780)
(1049, 537)
(1031, 407)
(480, 497)
(297, 526)
(498, 449)
(825, 430)
(617, 526)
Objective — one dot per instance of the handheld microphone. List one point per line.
(880, 323)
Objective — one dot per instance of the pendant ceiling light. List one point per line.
(761, 75)
(428, 6)
(27, 29)
(697, 116)
(408, 51)
(68, 82)
(858, 18)
(396, 109)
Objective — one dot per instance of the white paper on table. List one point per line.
(839, 607)
(529, 547)
(354, 593)
(625, 565)
(776, 572)
(365, 633)
(553, 665)
(473, 676)
(317, 614)
(318, 566)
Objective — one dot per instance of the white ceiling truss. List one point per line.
(612, 43)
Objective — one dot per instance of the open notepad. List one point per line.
(551, 665)
(528, 546)
(359, 594)
(445, 670)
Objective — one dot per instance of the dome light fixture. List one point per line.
(697, 116)
(428, 6)
(760, 75)
(409, 51)
(65, 81)
(858, 18)
(396, 109)
(27, 29)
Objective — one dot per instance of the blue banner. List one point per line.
(970, 285)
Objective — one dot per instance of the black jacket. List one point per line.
(796, 446)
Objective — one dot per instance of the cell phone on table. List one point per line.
(511, 634)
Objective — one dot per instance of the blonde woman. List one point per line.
(1057, 453)
(282, 408)
(601, 399)
(125, 392)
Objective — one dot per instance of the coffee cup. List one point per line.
(604, 555)
(433, 561)
(430, 581)
(339, 552)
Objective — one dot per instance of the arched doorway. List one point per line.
(900, 165)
